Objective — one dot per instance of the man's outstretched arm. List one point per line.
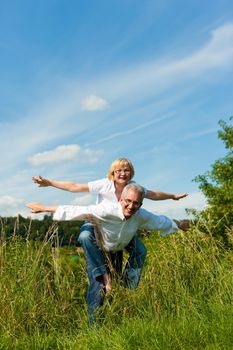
(41, 208)
(69, 212)
(183, 225)
(167, 226)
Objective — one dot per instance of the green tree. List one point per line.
(217, 186)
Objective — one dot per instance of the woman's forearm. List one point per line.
(62, 185)
(158, 195)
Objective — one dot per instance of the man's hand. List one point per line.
(176, 197)
(41, 208)
(183, 225)
(41, 181)
(35, 207)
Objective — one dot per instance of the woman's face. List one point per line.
(122, 174)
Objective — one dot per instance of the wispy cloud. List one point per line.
(131, 131)
(61, 121)
(217, 52)
(93, 103)
(65, 153)
(138, 82)
(200, 133)
(157, 75)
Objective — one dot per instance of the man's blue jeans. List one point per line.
(97, 266)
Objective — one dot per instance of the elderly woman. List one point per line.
(119, 175)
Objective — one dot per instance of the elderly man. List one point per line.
(115, 226)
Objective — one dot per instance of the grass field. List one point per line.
(184, 300)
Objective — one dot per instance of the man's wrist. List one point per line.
(183, 225)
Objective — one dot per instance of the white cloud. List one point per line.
(10, 205)
(9, 201)
(65, 153)
(85, 199)
(93, 103)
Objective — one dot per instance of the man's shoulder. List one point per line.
(144, 213)
(109, 207)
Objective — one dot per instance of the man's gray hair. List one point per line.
(133, 187)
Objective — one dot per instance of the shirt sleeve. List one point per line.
(75, 212)
(161, 223)
(98, 186)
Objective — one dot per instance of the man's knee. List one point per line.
(85, 237)
(140, 250)
(143, 251)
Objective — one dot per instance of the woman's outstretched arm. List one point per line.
(158, 195)
(63, 185)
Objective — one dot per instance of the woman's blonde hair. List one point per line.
(119, 162)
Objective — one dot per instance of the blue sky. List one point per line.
(83, 83)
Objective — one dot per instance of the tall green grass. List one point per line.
(184, 300)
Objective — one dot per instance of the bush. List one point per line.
(217, 186)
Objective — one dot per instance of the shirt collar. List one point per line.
(120, 212)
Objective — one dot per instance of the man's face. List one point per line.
(131, 203)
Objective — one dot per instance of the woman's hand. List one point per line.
(176, 197)
(41, 181)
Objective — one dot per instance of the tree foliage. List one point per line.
(217, 186)
(64, 232)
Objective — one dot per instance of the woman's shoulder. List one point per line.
(101, 185)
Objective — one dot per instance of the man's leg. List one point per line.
(137, 255)
(95, 295)
(93, 253)
(116, 261)
(95, 264)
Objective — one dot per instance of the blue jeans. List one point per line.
(96, 265)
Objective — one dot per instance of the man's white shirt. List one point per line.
(115, 231)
